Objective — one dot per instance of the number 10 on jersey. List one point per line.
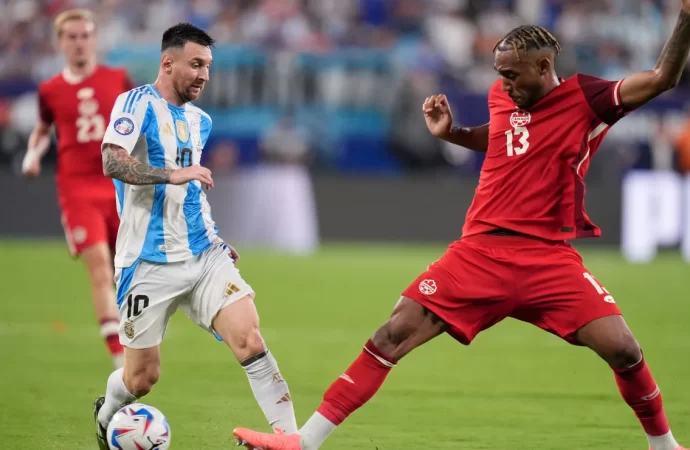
(523, 134)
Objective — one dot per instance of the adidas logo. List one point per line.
(284, 399)
(167, 129)
(652, 396)
(347, 378)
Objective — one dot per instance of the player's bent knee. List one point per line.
(611, 339)
(141, 382)
(410, 326)
(238, 325)
(254, 342)
(247, 339)
(388, 339)
(625, 354)
(142, 370)
(247, 343)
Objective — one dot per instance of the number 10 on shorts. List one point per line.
(601, 290)
(136, 305)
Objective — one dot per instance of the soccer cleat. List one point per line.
(255, 440)
(101, 433)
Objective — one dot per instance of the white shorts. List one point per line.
(148, 294)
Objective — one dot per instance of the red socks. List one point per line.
(366, 375)
(357, 385)
(639, 390)
(109, 331)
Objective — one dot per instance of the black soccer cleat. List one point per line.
(101, 433)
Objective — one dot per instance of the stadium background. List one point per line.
(341, 83)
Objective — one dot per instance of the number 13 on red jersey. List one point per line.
(523, 134)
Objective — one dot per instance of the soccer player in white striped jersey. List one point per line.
(169, 254)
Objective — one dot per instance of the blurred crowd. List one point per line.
(436, 46)
(602, 37)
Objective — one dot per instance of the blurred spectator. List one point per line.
(222, 157)
(628, 32)
(271, 204)
(365, 63)
(285, 143)
(452, 32)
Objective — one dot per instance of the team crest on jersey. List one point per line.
(182, 132)
(129, 329)
(85, 93)
(427, 287)
(79, 235)
(520, 118)
(124, 126)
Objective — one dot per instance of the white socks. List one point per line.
(272, 393)
(315, 432)
(665, 442)
(116, 396)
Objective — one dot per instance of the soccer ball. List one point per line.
(138, 427)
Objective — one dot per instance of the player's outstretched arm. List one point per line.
(642, 87)
(118, 164)
(439, 120)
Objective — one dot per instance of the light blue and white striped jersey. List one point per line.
(160, 223)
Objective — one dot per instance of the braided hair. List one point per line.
(529, 37)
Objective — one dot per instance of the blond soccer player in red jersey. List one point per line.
(514, 259)
(77, 102)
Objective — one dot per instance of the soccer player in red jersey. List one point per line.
(513, 259)
(78, 102)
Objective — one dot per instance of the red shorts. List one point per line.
(482, 279)
(88, 222)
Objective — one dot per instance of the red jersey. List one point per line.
(532, 178)
(80, 111)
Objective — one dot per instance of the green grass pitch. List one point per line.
(515, 387)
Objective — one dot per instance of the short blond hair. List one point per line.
(72, 14)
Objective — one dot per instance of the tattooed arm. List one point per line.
(642, 87)
(118, 164)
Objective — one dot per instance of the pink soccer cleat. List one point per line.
(255, 440)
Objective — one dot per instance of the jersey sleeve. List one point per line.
(127, 120)
(44, 110)
(205, 129)
(603, 97)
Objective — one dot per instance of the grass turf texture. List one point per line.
(515, 387)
